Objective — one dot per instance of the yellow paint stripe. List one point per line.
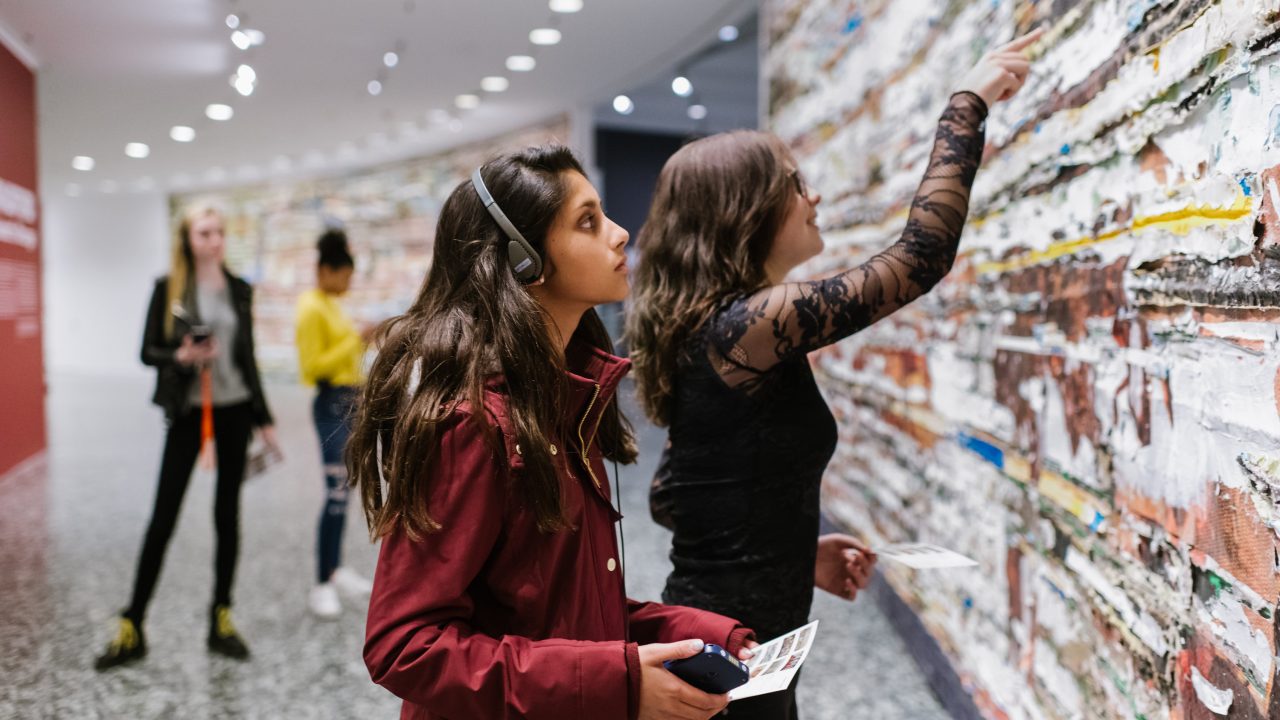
(1068, 496)
(1179, 222)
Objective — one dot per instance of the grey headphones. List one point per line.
(525, 261)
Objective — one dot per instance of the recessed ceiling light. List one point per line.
(219, 112)
(623, 105)
(243, 85)
(681, 86)
(521, 63)
(566, 6)
(375, 87)
(390, 59)
(494, 84)
(83, 163)
(233, 21)
(728, 33)
(544, 36)
(467, 102)
(256, 37)
(182, 133)
(697, 112)
(241, 40)
(137, 150)
(247, 73)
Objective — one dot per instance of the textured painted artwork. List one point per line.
(1088, 405)
(389, 213)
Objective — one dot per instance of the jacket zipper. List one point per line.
(582, 446)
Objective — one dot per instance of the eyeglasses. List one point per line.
(801, 186)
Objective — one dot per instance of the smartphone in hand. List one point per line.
(201, 334)
(713, 670)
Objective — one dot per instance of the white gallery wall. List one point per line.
(102, 254)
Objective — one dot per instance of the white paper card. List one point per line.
(923, 556)
(777, 662)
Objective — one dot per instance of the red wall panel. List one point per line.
(22, 388)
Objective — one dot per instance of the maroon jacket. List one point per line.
(490, 617)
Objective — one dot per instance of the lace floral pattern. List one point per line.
(758, 331)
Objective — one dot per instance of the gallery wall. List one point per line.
(1088, 404)
(389, 213)
(21, 356)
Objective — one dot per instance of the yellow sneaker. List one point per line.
(129, 645)
(223, 638)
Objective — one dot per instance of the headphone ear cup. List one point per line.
(526, 266)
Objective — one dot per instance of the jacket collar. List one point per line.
(593, 375)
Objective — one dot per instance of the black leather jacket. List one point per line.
(173, 380)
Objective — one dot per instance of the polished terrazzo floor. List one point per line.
(70, 529)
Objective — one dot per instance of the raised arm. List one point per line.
(758, 331)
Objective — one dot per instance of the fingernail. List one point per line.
(695, 645)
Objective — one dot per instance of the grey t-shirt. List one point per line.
(229, 386)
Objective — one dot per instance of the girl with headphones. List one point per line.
(479, 449)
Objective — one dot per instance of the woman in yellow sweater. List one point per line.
(330, 348)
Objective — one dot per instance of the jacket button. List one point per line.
(554, 451)
(612, 565)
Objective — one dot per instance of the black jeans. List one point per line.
(232, 428)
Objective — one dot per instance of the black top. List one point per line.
(751, 435)
(173, 380)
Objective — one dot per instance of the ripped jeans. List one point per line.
(332, 411)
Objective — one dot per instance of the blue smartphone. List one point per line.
(713, 670)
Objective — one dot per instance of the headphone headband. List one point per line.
(525, 261)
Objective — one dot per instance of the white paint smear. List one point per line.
(1216, 699)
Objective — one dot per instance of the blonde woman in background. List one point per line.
(199, 337)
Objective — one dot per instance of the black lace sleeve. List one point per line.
(756, 332)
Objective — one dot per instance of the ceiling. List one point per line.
(112, 73)
(726, 81)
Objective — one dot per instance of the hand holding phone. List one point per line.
(713, 670)
(198, 346)
(663, 695)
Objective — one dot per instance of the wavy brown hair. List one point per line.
(717, 207)
(472, 321)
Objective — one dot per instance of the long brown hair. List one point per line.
(182, 262)
(472, 321)
(718, 204)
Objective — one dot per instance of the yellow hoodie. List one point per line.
(329, 346)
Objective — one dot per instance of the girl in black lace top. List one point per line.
(719, 343)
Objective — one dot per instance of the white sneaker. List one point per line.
(349, 582)
(324, 602)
